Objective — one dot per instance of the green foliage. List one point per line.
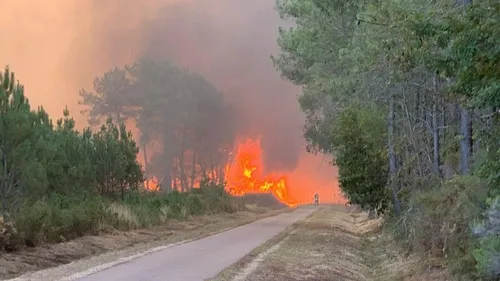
(114, 147)
(487, 258)
(39, 159)
(359, 137)
(464, 45)
(59, 218)
(57, 183)
(62, 218)
(433, 66)
(174, 109)
(487, 253)
(438, 221)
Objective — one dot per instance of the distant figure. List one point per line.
(316, 199)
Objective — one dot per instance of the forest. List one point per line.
(58, 183)
(405, 96)
(176, 112)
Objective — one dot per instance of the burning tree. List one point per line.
(186, 122)
(180, 116)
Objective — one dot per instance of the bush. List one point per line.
(438, 221)
(487, 254)
(359, 140)
(61, 218)
(58, 183)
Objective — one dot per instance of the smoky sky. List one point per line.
(230, 42)
(66, 43)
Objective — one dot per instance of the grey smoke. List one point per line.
(230, 42)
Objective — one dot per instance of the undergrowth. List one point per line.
(61, 218)
(437, 224)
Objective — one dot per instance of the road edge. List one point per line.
(233, 270)
(123, 260)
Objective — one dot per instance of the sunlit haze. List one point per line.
(57, 47)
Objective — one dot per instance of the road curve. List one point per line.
(204, 258)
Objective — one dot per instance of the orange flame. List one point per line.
(152, 184)
(244, 175)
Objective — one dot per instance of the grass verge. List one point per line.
(127, 242)
(326, 246)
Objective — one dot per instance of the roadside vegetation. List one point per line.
(58, 183)
(405, 97)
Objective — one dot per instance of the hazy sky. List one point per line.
(57, 47)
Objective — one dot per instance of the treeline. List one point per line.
(58, 183)
(186, 128)
(405, 95)
(40, 158)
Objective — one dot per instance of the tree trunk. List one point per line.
(146, 168)
(182, 164)
(212, 171)
(442, 121)
(193, 169)
(465, 127)
(4, 183)
(435, 138)
(220, 174)
(392, 157)
(435, 129)
(465, 148)
(168, 156)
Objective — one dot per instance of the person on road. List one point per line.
(316, 199)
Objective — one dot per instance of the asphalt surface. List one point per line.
(204, 258)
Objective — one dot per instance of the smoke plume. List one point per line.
(230, 42)
(57, 47)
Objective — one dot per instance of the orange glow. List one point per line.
(245, 175)
(152, 184)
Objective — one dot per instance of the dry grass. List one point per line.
(334, 243)
(326, 246)
(29, 260)
(392, 265)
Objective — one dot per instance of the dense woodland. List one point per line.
(58, 183)
(405, 95)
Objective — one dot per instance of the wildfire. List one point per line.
(152, 184)
(244, 175)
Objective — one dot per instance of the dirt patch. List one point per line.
(124, 243)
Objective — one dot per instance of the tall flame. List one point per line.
(245, 174)
(152, 184)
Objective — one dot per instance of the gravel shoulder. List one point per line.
(90, 251)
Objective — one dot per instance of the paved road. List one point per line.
(204, 258)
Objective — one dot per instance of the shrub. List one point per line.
(359, 141)
(61, 218)
(487, 254)
(438, 221)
